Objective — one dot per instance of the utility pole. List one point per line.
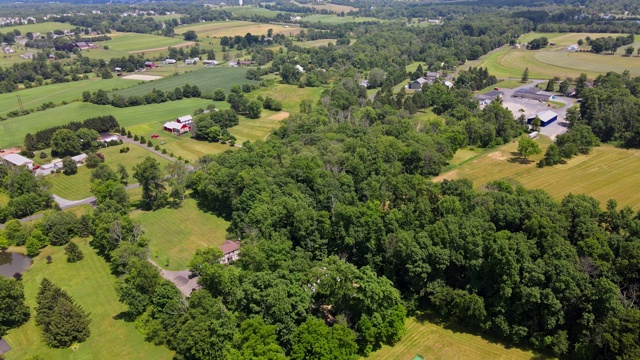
(20, 103)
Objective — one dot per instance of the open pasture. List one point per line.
(435, 342)
(251, 10)
(56, 93)
(124, 44)
(92, 286)
(206, 78)
(78, 186)
(335, 19)
(176, 234)
(41, 28)
(606, 173)
(315, 43)
(557, 60)
(12, 131)
(328, 6)
(289, 95)
(232, 28)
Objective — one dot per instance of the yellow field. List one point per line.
(435, 342)
(606, 173)
(556, 60)
(315, 43)
(232, 28)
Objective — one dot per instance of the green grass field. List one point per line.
(176, 234)
(435, 342)
(207, 79)
(42, 27)
(335, 19)
(606, 173)
(315, 43)
(78, 186)
(92, 286)
(289, 95)
(232, 28)
(71, 91)
(556, 60)
(251, 10)
(123, 44)
(12, 131)
(328, 6)
(4, 198)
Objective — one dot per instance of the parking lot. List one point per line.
(529, 108)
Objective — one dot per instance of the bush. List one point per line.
(43, 155)
(149, 143)
(164, 151)
(69, 165)
(74, 254)
(142, 140)
(136, 138)
(157, 148)
(93, 161)
(129, 134)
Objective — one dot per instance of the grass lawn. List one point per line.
(175, 234)
(71, 91)
(251, 10)
(207, 79)
(335, 19)
(4, 198)
(12, 131)
(556, 60)
(78, 186)
(606, 173)
(92, 286)
(435, 342)
(232, 28)
(123, 44)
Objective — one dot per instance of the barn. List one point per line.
(176, 127)
(150, 64)
(546, 117)
(532, 93)
(186, 119)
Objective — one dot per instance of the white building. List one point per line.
(17, 160)
(300, 68)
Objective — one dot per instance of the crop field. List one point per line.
(335, 19)
(251, 10)
(329, 6)
(78, 186)
(56, 93)
(606, 173)
(123, 44)
(207, 79)
(232, 28)
(556, 60)
(92, 286)
(176, 234)
(435, 342)
(12, 131)
(42, 27)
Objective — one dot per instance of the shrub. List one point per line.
(164, 151)
(43, 155)
(74, 254)
(142, 140)
(136, 138)
(149, 143)
(157, 147)
(129, 134)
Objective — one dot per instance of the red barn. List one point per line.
(150, 64)
(176, 127)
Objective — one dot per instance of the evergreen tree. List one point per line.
(74, 254)
(525, 75)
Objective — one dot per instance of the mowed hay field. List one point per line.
(123, 44)
(42, 28)
(78, 186)
(329, 6)
(176, 234)
(232, 28)
(12, 131)
(606, 173)
(335, 19)
(251, 10)
(56, 93)
(435, 342)
(289, 95)
(556, 60)
(92, 286)
(206, 78)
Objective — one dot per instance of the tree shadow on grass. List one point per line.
(125, 315)
(517, 159)
(493, 339)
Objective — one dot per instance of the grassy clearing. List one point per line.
(39, 27)
(71, 91)
(435, 342)
(232, 28)
(289, 95)
(607, 173)
(556, 60)
(121, 44)
(12, 131)
(258, 129)
(176, 234)
(78, 186)
(335, 19)
(207, 79)
(315, 43)
(92, 286)
(4, 198)
(329, 6)
(251, 10)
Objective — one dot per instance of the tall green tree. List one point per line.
(150, 176)
(13, 309)
(525, 75)
(527, 147)
(64, 142)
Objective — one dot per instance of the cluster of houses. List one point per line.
(6, 21)
(15, 160)
(430, 78)
(241, 63)
(180, 126)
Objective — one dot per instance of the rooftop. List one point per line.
(229, 247)
(17, 159)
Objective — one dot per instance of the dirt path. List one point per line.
(188, 43)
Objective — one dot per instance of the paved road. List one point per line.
(179, 278)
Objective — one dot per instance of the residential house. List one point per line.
(364, 83)
(417, 84)
(209, 62)
(190, 62)
(169, 61)
(230, 251)
(486, 99)
(14, 160)
(27, 56)
(79, 159)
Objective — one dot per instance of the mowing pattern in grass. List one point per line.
(207, 79)
(556, 60)
(123, 43)
(92, 286)
(78, 186)
(232, 28)
(434, 342)
(32, 98)
(175, 234)
(12, 131)
(606, 173)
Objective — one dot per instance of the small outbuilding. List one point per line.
(209, 62)
(486, 99)
(546, 117)
(169, 61)
(186, 119)
(149, 64)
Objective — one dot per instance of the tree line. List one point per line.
(42, 138)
